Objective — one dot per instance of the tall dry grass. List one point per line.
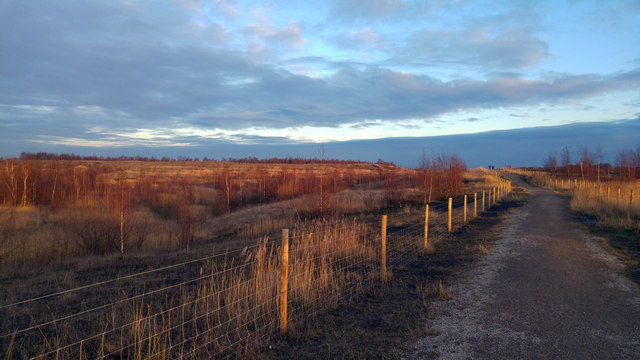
(611, 203)
(41, 236)
(481, 179)
(228, 307)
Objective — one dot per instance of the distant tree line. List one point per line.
(245, 160)
(591, 165)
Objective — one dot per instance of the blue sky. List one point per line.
(148, 75)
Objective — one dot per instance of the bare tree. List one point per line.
(425, 165)
(11, 180)
(54, 169)
(566, 160)
(599, 155)
(586, 163)
(627, 164)
(124, 204)
(226, 182)
(551, 163)
(26, 172)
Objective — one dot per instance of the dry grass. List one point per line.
(227, 306)
(86, 200)
(480, 179)
(230, 310)
(40, 235)
(610, 203)
(610, 209)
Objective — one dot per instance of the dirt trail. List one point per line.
(545, 291)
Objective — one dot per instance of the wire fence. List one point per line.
(225, 305)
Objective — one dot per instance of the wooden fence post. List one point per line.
(465, 209)
(475, 204)
(483, 200)
(426, 226)
(383, 249)
(494, 196)
(284, 277)
(450, 214)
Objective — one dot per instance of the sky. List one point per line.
(184, 76)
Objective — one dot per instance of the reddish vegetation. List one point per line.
(225, 303)
(115, 205)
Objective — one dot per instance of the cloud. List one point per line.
(361, 39)
(351, 10)
(477, 48)
(103, 71)
(289, 36)
(279, 99)
(372, 11)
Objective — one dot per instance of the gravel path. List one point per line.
(546, 291)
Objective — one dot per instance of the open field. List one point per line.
(161, 302)
(57, 209)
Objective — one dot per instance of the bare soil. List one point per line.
(545, 291)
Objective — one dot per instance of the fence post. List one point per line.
(494, 196)
(383, 249)
(450, 214)
(483, 200)
(475, 204)
(284, 276)
(426, 226)
(465, 209)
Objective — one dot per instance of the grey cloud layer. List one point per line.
(77, 66)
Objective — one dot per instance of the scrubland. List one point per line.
(138, 259)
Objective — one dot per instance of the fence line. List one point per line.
(230, 303)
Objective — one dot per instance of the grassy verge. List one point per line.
(623, 243)
(379, 322)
